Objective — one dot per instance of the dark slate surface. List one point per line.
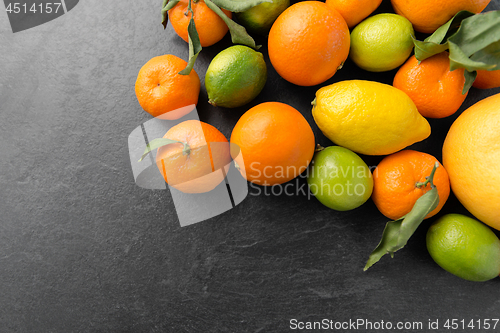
(83, 249)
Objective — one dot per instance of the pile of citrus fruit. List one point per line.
(273, 143)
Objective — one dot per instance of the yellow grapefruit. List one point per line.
(471, 155)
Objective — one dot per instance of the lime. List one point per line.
(260, 18)
(381, 42)
(368, 117)
(464, 247)
(235, 76)
(340, 179)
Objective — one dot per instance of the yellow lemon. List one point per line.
(368, 117)
(471, 155)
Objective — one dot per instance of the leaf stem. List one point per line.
(160, 142)
(319, 148)
(428, 179)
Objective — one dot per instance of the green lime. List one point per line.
(235, 76)
(260, 18)
(339, 178)
(381, 42)
(464, 247)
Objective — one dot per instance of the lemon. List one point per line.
(235, 76)
(381, 42)
(471, 155)
(260, 18)
(464, 247)
(368, 117)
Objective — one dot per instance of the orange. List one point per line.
(201, 169)
(276, 143)
(163, 92)
(395, 180)
(354, 11)
(471, 155)
(435, 90)
(428, 15)
(487, 79)
(210, 27)
(308, 42)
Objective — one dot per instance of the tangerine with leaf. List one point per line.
(399, 180)
(192, 156)
(210, 26)
(431, 85)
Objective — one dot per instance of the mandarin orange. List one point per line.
(435, 90)
(355, 11)
(396, 181)
(308, 43)
(163, 92)
(487, 79)
(276, 143)
(428, 15)
(210, 27)
(200, 170)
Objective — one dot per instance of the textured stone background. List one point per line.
(83, 249)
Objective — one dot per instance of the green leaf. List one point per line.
(477, 32)
(471, 33)
(397, 233)
(160, 142)
(469, 80)
(164, 15)
(458, 59)
(449, 28)
(437, 42)
(489, 55)
(473, 41)
(194, 47)
(239, 34)
(236, 6)
(166, 6)
(425, 49)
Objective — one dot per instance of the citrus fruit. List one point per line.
(487, 79)
(471, 155)
(435, 90)
(339, 178)
(356, 11)
(381, 42)
(210, 27)
(260, 18)
(464, 247)
(308, 42)
(428, 15)
(162, 91)
(398, 182)
(199, 170)
(368, 117)
(276, 143)
(235, 76)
